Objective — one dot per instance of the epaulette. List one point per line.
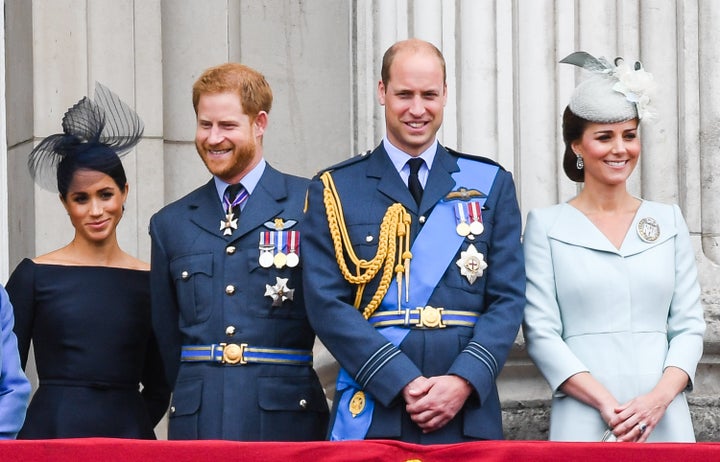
(486, 160)
(353, 160)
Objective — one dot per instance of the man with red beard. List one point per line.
(226, 285)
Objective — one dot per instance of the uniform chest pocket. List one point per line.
(364, 238)
(273, 292)
(192, 275)
(468, 267)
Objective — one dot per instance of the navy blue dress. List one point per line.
(94, 346)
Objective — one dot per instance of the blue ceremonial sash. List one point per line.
(436, 243)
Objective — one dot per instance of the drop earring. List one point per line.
(579, 164)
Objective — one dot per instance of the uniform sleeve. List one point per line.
(500, 317)
(686, 325)
(165, 312)
(375, 364)
(14, 386)
(542, 325)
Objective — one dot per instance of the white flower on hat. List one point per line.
(637, 85)
(634, 87)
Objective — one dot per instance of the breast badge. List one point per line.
(471, 263)
(280, 292)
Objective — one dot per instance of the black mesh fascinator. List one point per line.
(103, 128)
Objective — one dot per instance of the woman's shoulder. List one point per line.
(136, 264)
(66, 258)
(549, 213)
(663, 209)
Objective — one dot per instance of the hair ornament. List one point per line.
(615, 92)
(105, 123)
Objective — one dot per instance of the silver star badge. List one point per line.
(229, 224)
(471, 263)
(279, 292)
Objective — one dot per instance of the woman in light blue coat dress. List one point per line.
(613, 318)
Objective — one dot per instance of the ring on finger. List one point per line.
(642, 426)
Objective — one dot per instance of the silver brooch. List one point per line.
(648, 229)
(471, 263)
(279, 292)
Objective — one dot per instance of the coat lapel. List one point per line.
(438, 184)
(207, 210)
(389, 181)
(440, 181)
(263, 204)
(574, 228)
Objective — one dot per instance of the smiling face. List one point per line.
(610, 152)
(414, 98)
(94, 203)
(228, 141)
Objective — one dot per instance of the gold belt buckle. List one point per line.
(234, 353)
(430, 317)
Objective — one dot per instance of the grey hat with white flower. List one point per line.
(615, 92)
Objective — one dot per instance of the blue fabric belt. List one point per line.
(241, 353)
(426, 317)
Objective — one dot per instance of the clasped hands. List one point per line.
(634, 420)
(433, 402)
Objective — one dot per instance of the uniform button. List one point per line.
(368, 238)
(303, 403)
(172, 409)
(422, 219)
(230, 249)
(230, 331)
(185, 275)
(230, 289)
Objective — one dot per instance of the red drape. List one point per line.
(110, 450)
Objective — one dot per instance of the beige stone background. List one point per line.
(506, 96)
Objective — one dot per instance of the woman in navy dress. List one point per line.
(86, 306)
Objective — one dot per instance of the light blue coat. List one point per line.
(622, 315)
(14, 386)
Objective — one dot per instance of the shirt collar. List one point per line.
(249, 181)
(399, 158)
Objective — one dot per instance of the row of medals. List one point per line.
(273, 255)
(469, 219)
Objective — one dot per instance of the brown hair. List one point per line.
(573, 127)
(250, 85)
(414, 45)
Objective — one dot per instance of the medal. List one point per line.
(648, 229)
(357, 403)
(266, 259)
(476, 224)
(293, 257)
(280, 258)
(229, 224)
(471, 263)
(462, 228)
(266, 247)
(279, 292)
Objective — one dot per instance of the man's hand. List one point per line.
(433, 402)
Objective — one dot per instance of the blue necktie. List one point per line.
(414, 184)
